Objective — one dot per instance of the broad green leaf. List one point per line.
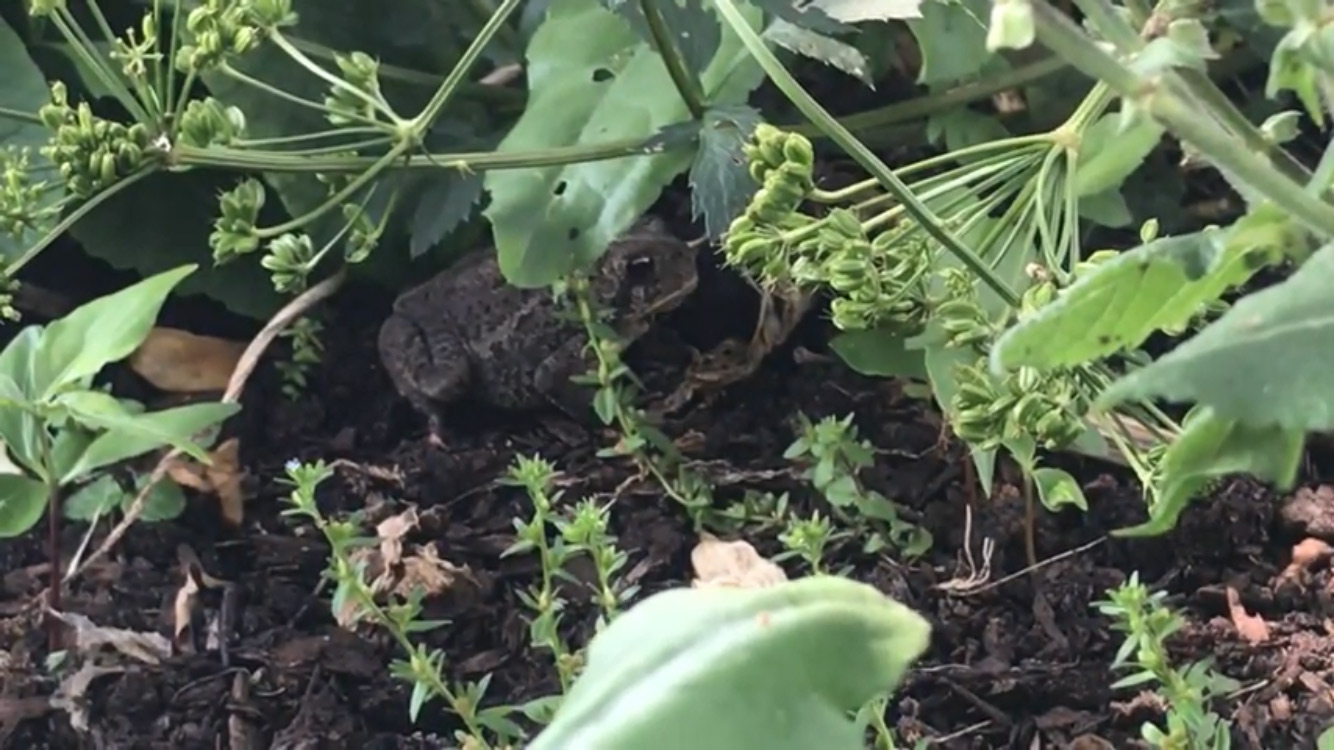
(94, 500)
(879, 352)
(1266, 361)
(130, 435)
(23, 88)
(549, 220)
(1210, 446)
(720, 184)
(20, 429)
(952, 37)
(830, 51)
(780, 668)
(1108, 153)
(1056, 488)
(1107, 208)
(1118, 304)
(22, 501)
(105, 330)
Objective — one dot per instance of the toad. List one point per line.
(468, 334)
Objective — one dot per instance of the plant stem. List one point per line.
(858, 151)
(687, 85)
(1063, 37)
(267, 88)
(300, 58)
(423, 121)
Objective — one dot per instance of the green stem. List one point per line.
(423, 121)
(30, 118)
(687, 85)
(1063, 37)
(73, 218)
(416, 77)
(285, 140)
(82, 46)
(356, 184)
(268, 88)
(858, 151)
(143, 93)
(300, 58)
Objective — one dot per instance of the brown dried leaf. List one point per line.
(1306, 554)
(183, 362)
(1251, 628)
(391, 532)
(150, 648)
(183, 607)
(221, 478)
(733, 564)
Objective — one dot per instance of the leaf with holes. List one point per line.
(610, 87)
(1265, 362)
(827, 50)
(720, 184)
(1119, 303)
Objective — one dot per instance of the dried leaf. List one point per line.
(391, 532)
(1251, 628)
(183, 607)
(150, 648)
(183, 362)
(221, 478)
(1305, 554)
(732, 565)
(69, 696)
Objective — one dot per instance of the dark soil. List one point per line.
(1022, 663)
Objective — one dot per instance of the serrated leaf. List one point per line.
(693, 27)
(548, 220)
(1212, 446)
(720, 183)
(827, 50)
(1264, 362)
(23, 88)
(443, 205)
(807, 15)
(1118, 304)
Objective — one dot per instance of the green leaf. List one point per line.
(1056, 488)
(807, 15)
(1210, 446)
(780, 668)
(720, 184)
(130, 435)
(1118, 304)
(879, 352)
(1107, 208)
(19, 428)
(105, 330)
(1109, 153)
(953, 39)
(164, 501)
(23, 88)
(1264, 362)
(443, 205)
(94, 500)
(831, 52)
(853, 11)
(549, 220)
(22, 501)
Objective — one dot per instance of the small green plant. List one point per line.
(423, 669)
(834, 456)
(1186, 693)
(60, 432)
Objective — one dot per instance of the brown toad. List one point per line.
(467, 334)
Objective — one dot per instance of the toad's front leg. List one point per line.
(430, 371)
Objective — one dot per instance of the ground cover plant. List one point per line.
(994, 418)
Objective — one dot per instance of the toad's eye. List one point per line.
(640, 270)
